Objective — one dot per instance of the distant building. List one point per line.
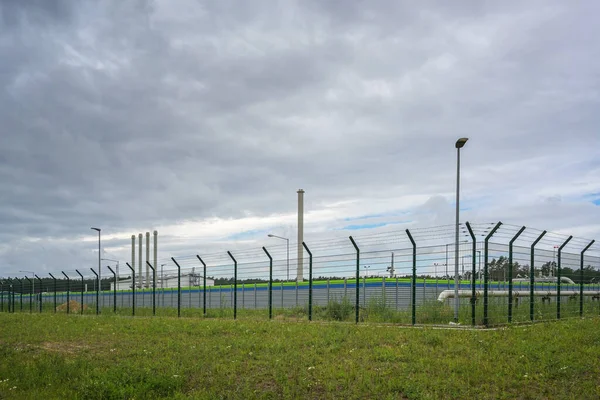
(167, 281)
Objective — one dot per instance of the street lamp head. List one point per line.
(461, 142)
(95, 229)
(269, 235)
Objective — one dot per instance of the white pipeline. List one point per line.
(449, 294)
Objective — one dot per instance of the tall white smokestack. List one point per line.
(141, 275)
(300, 275)
(147, 259)
(133, 252)
(155, 258)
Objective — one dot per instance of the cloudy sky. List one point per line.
(201, 119)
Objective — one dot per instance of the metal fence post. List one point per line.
(133, 287)
(10, 290)
(40, 280)
(204, 278)
(54, 291)
(81, 290)
(473, 273)
(532, 277)
(270, 284)
(357, 301)
(510, 273)
(413, 310)
(234, 285)
(20, 294)
(310, 280)
(114, 289)
(97, 292)
(178, 288)
(581, 278)
(558, 277)
(485, 274)
(154, 288)
(68, 290)
(30, 297)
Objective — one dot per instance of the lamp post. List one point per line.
(459, 145)
(99, 259)
(288, 252)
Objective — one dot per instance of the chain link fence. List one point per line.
(504, 274)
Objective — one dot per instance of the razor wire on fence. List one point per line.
(505, 274)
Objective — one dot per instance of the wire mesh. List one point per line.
(381, 282)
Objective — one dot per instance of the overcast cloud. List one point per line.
(202, 119)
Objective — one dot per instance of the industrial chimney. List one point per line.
(300, 275)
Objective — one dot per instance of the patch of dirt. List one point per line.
(64, 348)
(74, 307)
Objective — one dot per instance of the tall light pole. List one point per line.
(99, 259)
(288, 252)
(459, 145)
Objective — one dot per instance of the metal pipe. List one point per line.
(532, 276)
(449, 294)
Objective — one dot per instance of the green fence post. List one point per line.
(178, 287)
(40, 280)
(20, 294)
(532, 277)
(357, 301)
(154, 288)
(473, 273)
(30, 296)
(235, 285)
(82, 286)
(310, 280)
(68, 290)
(11, 296)
(413, 310)
(1, 295)
(270, 284)
(133, 287)
(485, 274)
(54, 291)
(204, 291)
(114, 289)
(558, 277)
(510, 273)
(97, 292)
(581, 278)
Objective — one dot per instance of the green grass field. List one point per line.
(56, 356)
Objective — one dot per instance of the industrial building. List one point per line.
(166, 281)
